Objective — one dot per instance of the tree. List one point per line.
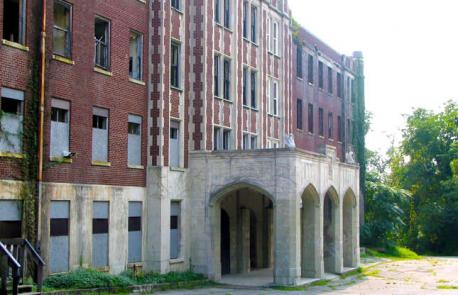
(425, 164)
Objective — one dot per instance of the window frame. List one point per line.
(227, 72)
(175, 75)
(107, 43)
(299, 114)
(321, 122)
(22, 24)
(140, 52)
(69, 32)
(299, 71)
(310, 118)
(330, 126)
(310, 70)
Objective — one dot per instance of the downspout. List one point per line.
(41, 118)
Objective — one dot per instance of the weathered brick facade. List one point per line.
(255, 44)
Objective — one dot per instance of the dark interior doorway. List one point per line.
(225, 244)
(253, 241)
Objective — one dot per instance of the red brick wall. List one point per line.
(84, 89)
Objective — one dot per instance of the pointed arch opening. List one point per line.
(330, 231)
(310, 221)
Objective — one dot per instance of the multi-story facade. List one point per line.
(167, 137)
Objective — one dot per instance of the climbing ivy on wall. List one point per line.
(360, 122)
(29, 162)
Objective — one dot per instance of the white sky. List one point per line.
(410, 49)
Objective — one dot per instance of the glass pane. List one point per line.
(59, 42)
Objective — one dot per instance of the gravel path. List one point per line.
(424, 276)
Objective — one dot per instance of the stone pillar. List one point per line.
(157, 248)
(245, 261)
(338, 263)
(312, 240)
(287, 269)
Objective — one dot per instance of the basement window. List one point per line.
(11, 106)
(135, 55)
(60, 128)
(175, 229)
(100, 232)
(62, 28)
(102, 42)
(14, 20)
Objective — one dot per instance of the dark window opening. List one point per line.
(310, 117)
(11, 106)
(133, 128)
(254, 12)
(102, 43)
(320, 75)
(14, 20)
(299, 62)
(339, 85)
(320, 122)
(253, 89)
(330, 86)
(310, 69)
(299, 114)
(227, 14)
(175, 66)
(176, 4)
(330, 125)
(245, 86)
(216, 75)
(59, 115)
(227, 81)
(99, 122)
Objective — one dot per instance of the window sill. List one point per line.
(61, 160)
(250, 108)
(15, 45)
(310, 133)
(250, 41)
(321, 136)
(224, 27)
(101, 163)
(178, 89)
(274, 54)
(103, 72)
(11, 155)
(63, 59)
(135, 264)
(330, 139)
(142, 1)
(138, 167)
(178, 10)
(299, 78)
(176, 260)
(274, 116)
(177, 169)
(138, 82)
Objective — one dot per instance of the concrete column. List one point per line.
(157, 249)
(338, 262)
(245, 261)
(287, 269)
(270, 237)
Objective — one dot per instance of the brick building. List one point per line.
(166, 123)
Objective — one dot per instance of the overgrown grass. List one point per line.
(447, 287)
(91, 279)
(395, 252)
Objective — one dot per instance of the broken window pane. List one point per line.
(135, 55)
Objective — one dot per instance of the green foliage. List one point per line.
(394, 252)
(385, 214)
(90, 279)
(86, 279)
(426, 165)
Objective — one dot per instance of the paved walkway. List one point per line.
(431, 275)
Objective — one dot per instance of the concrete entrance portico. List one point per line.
(277, 208)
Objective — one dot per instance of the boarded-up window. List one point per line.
(175, 149)
(59, 235)
(134, 140)
(10, 219)
(175, 229)
(135, 232)
(100, 213)
(100, 135)
(60, 128)
(11, 106)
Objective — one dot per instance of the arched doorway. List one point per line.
(310, 221)
(246, 233)
(330, 231)
(350, 251)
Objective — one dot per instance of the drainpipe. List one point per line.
(41, 118)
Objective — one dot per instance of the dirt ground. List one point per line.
(424, 276)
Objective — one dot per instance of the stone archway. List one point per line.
(248, 225)
(350, 228)
(331, 232)
(310, 233)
